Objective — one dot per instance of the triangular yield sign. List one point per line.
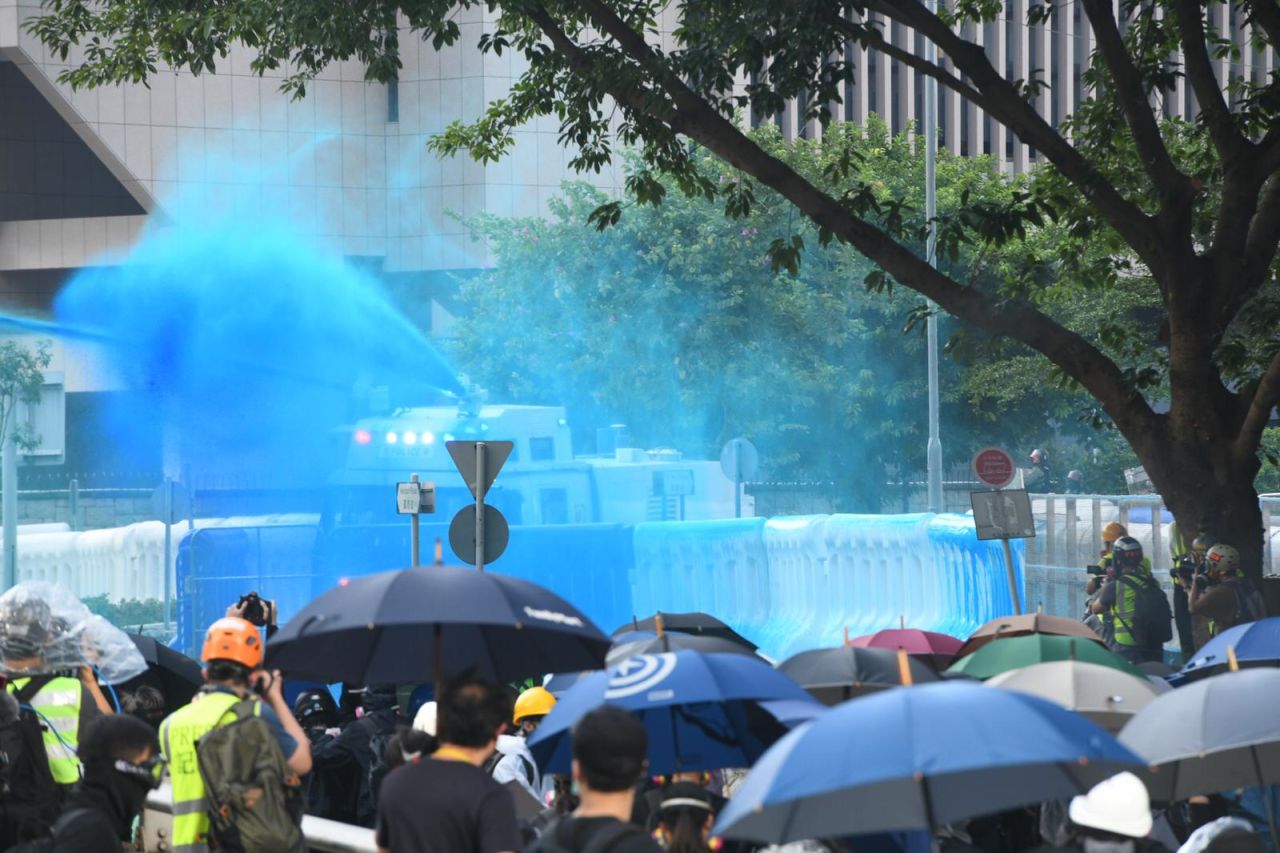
(464, 458)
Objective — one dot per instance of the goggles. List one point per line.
(150, 772)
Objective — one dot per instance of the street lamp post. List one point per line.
(934, 449)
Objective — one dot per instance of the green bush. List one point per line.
(129, 613)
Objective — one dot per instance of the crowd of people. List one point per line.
(453, 772)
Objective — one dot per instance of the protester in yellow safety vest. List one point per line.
(232, 655)
(1118, 602)
(1222, 595)
(63, 704)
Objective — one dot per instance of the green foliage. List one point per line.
(21, 379)
(689, 328)
(128, 614)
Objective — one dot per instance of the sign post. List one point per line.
(413, 498)
(1002, 514)
(479, 533)
(739, 461)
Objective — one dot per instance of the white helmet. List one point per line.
(1119, 805)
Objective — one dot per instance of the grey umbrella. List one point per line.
(1215, 735)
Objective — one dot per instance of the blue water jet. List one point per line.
(246, 343)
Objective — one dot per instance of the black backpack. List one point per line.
(1250, 606)
(29, 798)
(602, 842)
(1153, 619)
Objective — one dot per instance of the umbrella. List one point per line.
(632, 643)
(416, 625)
(175, 675)
(1028, 623)
(1017, 652)
(939, 650)
(834, 675)
(919, 758)
(562, 681)
(1255, 644)
(1107, 696)
(689, 623)
(702, 711)
(1214, 735)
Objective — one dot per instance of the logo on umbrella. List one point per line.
(638, 674)
(552, 616)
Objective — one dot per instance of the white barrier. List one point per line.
(119, 562)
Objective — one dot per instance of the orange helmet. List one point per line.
(233, 639)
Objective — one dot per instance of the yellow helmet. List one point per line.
(534, 702)
(1112, 532)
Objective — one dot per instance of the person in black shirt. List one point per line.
(120, 756)
(609, 750)
(446, 803)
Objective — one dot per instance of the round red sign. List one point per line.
(994, 467)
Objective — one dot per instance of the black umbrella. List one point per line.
(703, 624)
(632, 643)
(418, 625)
(834, 675)
(175, 675)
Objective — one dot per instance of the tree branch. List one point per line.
(1265, 398)
(1170, 182)
(876, 41)
(1019, 320)
(1008, 106)
(1227, 138)
(1266, 14)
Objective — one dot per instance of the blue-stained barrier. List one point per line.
(788, 583)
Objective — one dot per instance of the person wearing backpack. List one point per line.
(55, 705)
(1135, 606)
(609, 759)
(1222, 596)
(230, 785)
(512, 761)
(355, 756)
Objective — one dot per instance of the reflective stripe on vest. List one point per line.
(178, 735)
(1126, 606)
(57, 706)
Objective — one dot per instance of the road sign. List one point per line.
(673, 484)
(171, 508)
(408, 498)
(1004, 514)
(739, 460)
(413, 498)
(464, 458)
(993, 466)
(462, 534)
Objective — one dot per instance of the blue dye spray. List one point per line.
(247, 343)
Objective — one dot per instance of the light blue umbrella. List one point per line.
(1255, 643)
(701, 711)
(919, 758)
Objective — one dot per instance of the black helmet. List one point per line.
(1127, 552)
(25, 626)
(315, 708)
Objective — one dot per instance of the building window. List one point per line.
(542, 449)
(553, 504)
(393, 100)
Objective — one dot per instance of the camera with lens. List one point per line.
(1096, 571)
(255, 609)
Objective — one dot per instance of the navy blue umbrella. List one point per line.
(417, 625)
(628, 644)
(1255, 643)
(702, 711)
(919, 758)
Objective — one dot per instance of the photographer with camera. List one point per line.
(1187, 563)
(227, 728)
(1221, 594)
(1134, 605)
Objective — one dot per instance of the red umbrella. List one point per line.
(929, 646)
